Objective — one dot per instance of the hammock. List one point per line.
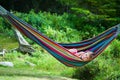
(58, 50)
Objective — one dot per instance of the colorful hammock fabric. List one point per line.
(58, 50)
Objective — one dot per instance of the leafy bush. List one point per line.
(115, 49)
(3, 25)
(69, 26)
(99, 69)
(81, 17)
(88, 31)
(104, 67)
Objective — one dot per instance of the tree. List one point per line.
(24, 46)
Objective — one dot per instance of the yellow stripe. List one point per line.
(54, 46)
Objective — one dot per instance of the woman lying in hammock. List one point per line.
(84, 56)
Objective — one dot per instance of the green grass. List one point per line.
(42, 60)
(7, 42)
(7, 73)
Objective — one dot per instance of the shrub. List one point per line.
(99, 69)
(115, 49)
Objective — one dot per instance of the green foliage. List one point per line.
(81, 17)
(66, 25)
(115, 50)
(56, 27)
(68, 28)
(3, 25)
(103, 7)
(69, 2)
(88, 31)
(104, 67)
(99, 69)
(97, 13)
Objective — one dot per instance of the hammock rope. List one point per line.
(59, 50)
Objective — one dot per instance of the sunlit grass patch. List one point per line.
(7, 42)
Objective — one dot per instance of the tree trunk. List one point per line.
(24, 46)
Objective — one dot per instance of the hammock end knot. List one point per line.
(3, 11)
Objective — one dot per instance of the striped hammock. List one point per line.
(58, 50)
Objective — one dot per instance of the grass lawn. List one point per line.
(7, 42)
(7, 73)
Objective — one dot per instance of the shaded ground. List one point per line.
(32, 78)
(22, 74)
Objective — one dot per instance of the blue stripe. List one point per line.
(89, 41)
